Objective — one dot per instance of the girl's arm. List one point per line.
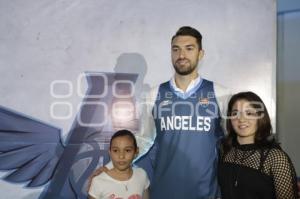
(284, 175)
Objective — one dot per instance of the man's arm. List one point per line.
(223, 96)
(90, 197)
(146, 194)
(146, 135)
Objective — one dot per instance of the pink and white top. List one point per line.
(105, 187)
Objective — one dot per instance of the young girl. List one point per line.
(252, 165)
(123, 181)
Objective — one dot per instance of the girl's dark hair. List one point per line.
(124, 132)
(263, 136)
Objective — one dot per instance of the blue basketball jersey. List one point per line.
(187, 133)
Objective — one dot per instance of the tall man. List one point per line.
(183, 117)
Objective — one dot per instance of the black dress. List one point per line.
(252, 172)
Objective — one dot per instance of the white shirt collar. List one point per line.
(192, 84)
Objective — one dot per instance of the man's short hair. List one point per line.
(189, 31)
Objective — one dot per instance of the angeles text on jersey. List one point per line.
(185, 123)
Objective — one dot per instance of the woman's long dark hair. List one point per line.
(263, 135)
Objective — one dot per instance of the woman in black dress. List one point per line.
(252, 165)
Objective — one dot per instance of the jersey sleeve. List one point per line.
(223, 96)
(284, 175)
(146, 135)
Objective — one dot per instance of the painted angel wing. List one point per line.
(28, 147)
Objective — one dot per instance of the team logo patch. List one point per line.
(204, 101)
(166, 102)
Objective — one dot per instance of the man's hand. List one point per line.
(94, 174)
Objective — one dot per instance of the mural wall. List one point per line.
(74, 72)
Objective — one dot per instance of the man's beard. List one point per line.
(184, 71)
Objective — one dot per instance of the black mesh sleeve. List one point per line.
(284, 175)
